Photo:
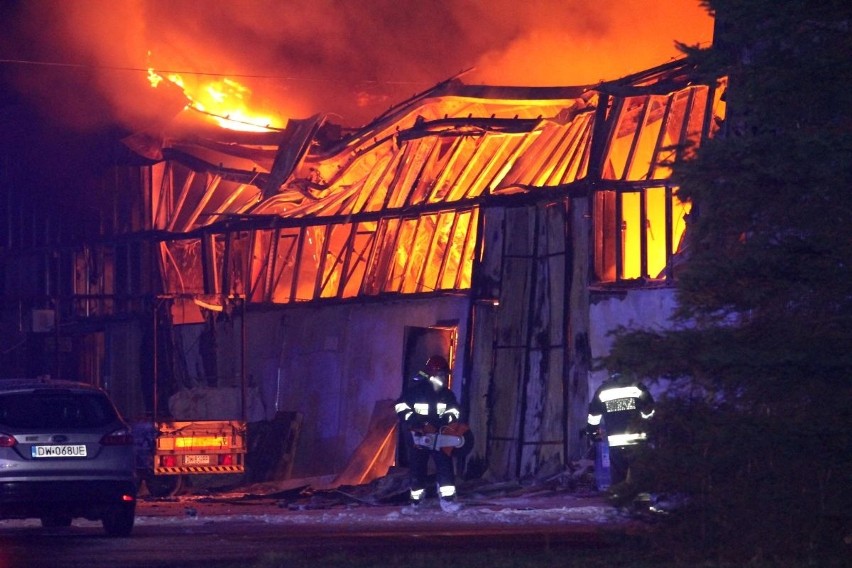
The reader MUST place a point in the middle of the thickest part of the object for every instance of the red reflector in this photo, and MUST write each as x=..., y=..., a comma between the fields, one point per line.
x=169, y=461
x=226, y=459
x=127, y=498
x=7, y=441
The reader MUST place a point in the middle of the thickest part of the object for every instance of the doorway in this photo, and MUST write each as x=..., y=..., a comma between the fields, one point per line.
x=420, y=343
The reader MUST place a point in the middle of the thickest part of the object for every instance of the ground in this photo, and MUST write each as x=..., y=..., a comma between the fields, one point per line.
x=254, y=526
x=382, y=504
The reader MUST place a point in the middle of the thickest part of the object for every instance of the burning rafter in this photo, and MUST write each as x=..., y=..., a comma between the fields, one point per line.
x=393, y=207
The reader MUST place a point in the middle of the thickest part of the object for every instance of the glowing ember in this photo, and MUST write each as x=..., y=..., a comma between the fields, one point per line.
x=224, y=100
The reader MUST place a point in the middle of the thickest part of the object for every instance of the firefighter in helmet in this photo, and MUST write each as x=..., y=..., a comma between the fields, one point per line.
x=427, y=406
x=620, y=407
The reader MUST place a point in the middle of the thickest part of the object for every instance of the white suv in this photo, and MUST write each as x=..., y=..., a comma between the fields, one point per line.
x=65, y=452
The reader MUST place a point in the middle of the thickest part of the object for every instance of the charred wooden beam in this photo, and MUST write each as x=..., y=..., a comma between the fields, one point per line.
x=291, y=152
x=474, y=126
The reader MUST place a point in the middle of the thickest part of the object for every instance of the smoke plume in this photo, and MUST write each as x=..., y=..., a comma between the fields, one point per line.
x=354, y=59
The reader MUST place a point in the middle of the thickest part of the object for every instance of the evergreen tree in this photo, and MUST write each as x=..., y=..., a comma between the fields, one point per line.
x=762, y=336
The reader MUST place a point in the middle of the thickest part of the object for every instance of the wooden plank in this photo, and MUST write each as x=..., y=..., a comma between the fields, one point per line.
x=519, y=227
x=523, y=405
x=488, y=270
x=513, y=315
x=478, y=385
x=375, y=454
x=579, y=348
x=503, y=396
x=543, y=444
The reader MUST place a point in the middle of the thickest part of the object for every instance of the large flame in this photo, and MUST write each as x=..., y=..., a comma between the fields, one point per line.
x=224, y=100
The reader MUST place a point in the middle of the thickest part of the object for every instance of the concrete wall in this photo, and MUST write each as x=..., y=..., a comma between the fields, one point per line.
x=333, y=363
x=641, y=308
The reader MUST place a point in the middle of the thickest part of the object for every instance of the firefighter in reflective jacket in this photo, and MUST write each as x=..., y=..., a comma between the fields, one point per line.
x=425, y=407
x=621, y=406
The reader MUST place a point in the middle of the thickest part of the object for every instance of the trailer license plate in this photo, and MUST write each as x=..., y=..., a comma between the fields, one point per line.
x=65, y=451
x=196, y=460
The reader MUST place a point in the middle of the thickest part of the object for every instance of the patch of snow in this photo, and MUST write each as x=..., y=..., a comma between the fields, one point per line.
x=382, y=516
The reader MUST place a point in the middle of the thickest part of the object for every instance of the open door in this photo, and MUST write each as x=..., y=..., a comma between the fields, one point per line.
x=419, y=344
x=423, y=342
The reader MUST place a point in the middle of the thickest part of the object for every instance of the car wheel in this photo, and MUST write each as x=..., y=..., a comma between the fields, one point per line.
x=118, y=519
x=56, y=521
x=163, y=485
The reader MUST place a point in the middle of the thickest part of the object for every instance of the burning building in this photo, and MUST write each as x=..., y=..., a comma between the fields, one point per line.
x=508, y=228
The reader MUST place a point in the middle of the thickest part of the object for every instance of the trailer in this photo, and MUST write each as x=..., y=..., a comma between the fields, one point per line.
x=171, y=448
x=200, y=447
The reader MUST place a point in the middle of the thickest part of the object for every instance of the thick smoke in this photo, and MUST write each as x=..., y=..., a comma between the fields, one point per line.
x=351, y=58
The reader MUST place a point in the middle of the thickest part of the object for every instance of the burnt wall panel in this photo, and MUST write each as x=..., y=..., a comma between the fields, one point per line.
x=488, y=279
x=542, y=450
x=578, y=348
x=333, y=363
x=513, y=315
x=478, y=389
x=523, y=406
x=504, y=395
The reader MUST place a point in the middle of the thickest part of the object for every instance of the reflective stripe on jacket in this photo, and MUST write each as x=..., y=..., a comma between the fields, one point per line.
x=436, y=408
x=623, y=409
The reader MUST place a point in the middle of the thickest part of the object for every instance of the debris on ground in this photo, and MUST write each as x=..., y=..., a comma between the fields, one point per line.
x=392, y=489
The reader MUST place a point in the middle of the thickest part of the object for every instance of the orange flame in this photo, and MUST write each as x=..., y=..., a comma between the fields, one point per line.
x=224, y=100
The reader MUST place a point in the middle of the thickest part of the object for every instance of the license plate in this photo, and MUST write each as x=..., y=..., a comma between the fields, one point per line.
x=196, y=460
x=64, y=451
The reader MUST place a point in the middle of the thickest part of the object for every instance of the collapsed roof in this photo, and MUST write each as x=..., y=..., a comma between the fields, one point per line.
x=427, y=163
